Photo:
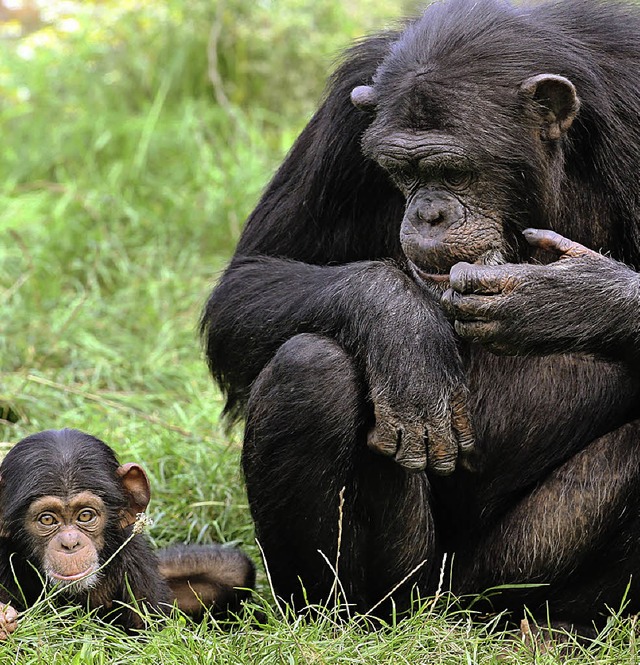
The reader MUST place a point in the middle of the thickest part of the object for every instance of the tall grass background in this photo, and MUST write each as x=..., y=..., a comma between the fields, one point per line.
x=135, y=137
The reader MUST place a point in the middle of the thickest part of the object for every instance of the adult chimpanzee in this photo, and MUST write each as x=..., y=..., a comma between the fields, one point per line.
x=384, y=272
x=67, y=509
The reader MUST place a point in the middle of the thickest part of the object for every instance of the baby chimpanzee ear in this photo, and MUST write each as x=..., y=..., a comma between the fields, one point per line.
x=556, y=101
x=137, y=490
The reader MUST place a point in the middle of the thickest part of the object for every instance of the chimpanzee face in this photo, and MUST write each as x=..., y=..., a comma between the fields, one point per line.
x=448, y=217
x=67, y=535
x=469, y=166
x=65, y=503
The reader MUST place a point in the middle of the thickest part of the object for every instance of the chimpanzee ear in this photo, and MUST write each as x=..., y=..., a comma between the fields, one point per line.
x=556, y=101
x=137, y=490
x=364, y=97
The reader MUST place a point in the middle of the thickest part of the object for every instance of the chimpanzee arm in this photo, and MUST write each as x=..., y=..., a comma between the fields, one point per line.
x=326, y=205
x=207, y=578
x=397, y=335
x=583, y=302
x=313, y=257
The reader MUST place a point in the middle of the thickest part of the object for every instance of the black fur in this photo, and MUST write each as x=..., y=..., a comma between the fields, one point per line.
x=316, y=322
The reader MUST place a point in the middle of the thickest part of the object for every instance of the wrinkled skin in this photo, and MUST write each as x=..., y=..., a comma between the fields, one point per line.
x=455, y=212
x=461, y=242
x=520, y=309
x=448, y=217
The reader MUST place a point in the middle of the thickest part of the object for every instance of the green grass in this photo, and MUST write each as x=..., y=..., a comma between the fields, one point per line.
x=122, y=192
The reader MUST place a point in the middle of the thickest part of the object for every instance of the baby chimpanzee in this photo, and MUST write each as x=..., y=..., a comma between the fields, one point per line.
x=66, y=507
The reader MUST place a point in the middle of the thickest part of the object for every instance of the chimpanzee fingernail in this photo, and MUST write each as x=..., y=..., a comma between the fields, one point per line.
x=458, y=276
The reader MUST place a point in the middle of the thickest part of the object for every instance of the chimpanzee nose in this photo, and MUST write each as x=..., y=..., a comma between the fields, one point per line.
x=427, y=210
x=432, y=216
x=69, y=540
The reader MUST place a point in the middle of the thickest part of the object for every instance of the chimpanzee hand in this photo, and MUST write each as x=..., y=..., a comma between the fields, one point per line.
x=435, y=434
x=8, y=620
x=416, y=383
x=584, y=301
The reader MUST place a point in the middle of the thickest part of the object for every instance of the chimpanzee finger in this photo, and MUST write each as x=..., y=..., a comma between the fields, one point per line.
x=8, y=621
x=553, y=242
x=461, y=422
x=10, y=614
x=412, y=453
x=384, y=438
x=442, y=450
x=469, y=307
x=471, y=278
x=476, y=331
x=386, y=433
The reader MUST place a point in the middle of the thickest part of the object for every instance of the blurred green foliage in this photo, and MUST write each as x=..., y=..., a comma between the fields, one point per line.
x=275, y=53
x=110, y=105
x=269, y=54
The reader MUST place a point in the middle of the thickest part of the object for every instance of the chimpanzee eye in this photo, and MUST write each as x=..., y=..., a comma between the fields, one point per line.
x=456, y=179
x=47, y=519
x=403, y=179
x=402, y=176
x=87, y=515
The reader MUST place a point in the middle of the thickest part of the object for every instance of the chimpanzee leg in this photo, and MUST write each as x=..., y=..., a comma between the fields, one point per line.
x=305, y=440
x=577, y=533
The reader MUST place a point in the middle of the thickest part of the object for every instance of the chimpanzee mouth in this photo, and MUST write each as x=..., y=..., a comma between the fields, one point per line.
x=84, y=580
x=440, y=280
x=428, y=276
x=436, y=283
x=71, y=578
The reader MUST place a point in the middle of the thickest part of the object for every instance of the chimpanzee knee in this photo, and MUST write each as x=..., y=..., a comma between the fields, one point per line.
x=313, y=484
x=310, y=387
x=304, y=415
